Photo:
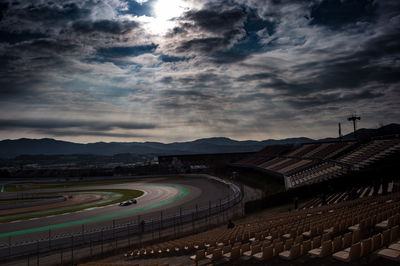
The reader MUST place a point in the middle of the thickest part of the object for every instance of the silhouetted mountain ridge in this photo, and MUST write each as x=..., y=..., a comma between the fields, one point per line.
x=48, y=146
x=365, y=133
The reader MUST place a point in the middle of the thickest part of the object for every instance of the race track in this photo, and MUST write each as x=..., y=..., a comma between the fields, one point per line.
x=161, y=197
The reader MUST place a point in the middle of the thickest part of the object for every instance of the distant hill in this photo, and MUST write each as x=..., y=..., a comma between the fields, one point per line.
x=46, y=146
x=365, y=133
x=13, y=148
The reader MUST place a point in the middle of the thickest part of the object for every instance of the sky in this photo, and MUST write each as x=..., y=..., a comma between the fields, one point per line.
x=176, y=70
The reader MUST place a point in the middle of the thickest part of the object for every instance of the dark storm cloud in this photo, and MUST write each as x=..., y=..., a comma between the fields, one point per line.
x=228, y=57
x=258, y=76
x=105, y=26
x=335, y=13
x=216, y=49
x=342, y=73
x=374, y=61
x=64, y=20
x=251, y=43
x=211, y=31
x=25, y=66
x=188, y=103
x=204, y=45
x=51, y=12
x=194, y=92
x=229, y=34
x=6, y=60
x=45, y=47
x=22, y=89
x=255, y=23
x=335, y=75
x=188, y=94
x=63, y=124
x=180, y=30
x=197, y=81
x=333, y=98
x=17, y=37
x=3, y=9
x=215, y=20
x=352, y=74
x=358, y=69
x=126, y=50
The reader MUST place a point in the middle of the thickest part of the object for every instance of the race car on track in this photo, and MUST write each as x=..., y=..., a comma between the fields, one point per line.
x=128, y=202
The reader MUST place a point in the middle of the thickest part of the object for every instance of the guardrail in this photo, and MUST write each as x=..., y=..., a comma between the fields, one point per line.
x=119, y=228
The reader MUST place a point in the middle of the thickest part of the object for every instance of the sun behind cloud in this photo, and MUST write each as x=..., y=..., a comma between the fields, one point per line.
x=164, y=14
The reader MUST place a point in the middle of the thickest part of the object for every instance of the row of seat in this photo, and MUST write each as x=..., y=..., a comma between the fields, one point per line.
x=370, y=152
x=332, y=220
x=392, y=252
x=298, y=249
x=365, y=191
x=265, y=154
x=347, y=247
x=315, y=162
x=316, y=173
x=357, y=158
x=315, y=151
x=332, y=149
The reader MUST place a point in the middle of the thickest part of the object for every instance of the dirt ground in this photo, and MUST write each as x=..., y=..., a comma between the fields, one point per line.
x=73, y=200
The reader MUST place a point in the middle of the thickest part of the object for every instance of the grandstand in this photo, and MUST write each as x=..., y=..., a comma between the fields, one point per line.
x=189, y=162
x=315, y=162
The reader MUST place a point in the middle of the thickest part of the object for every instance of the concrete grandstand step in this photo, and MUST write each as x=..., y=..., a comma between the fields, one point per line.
x=380, y=190
x=390, y=187
x=371, y=192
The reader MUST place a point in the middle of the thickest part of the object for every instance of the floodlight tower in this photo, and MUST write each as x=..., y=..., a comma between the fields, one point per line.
x=354, y=119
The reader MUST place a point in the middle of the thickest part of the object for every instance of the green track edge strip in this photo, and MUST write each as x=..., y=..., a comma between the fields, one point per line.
x=183, y=192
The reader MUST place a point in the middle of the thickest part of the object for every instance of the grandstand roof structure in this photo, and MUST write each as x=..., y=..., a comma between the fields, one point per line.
x=315, y=162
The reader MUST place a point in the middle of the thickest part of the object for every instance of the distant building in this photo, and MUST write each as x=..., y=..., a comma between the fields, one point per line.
x=200, y=162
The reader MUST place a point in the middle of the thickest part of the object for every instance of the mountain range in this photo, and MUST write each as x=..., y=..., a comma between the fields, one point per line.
x=47, y=146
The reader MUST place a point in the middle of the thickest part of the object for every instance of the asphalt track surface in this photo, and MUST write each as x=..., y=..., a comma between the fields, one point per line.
x=161, y=197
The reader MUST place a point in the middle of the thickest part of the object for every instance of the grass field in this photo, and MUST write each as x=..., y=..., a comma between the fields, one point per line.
x=125, y=194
